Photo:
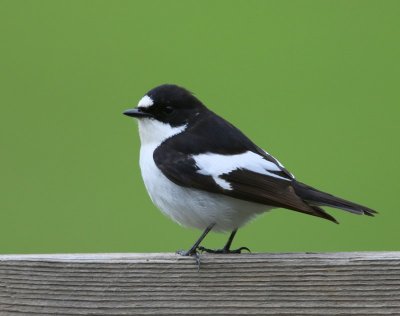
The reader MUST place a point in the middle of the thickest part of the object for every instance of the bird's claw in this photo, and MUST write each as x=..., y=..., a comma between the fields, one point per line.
x=191, y=253
x=223, y=250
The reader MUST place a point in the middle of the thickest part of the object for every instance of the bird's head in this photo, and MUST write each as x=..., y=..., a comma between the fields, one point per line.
x=164, y=110
x=169, y=104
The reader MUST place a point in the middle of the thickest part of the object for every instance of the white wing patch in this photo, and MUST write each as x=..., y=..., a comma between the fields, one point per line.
x=222, y=183
x=279, y=163
x=215, y=165
x=145, y=102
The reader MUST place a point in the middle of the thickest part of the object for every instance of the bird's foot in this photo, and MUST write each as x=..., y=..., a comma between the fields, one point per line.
x=223, y=250
x=191, y=253
x=186, y=253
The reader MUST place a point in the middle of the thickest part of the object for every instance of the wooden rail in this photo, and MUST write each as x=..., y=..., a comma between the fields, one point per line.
x=167, y=284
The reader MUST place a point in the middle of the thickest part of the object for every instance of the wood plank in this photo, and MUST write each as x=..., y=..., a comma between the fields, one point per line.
x=357, y=283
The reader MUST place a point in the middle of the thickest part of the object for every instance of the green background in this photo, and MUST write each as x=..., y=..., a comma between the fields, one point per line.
x=316, y=83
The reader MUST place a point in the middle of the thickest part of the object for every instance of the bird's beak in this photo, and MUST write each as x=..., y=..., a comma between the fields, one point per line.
x=136, y=112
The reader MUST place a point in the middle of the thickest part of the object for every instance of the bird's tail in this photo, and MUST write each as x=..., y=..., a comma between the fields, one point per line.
x=317, y=198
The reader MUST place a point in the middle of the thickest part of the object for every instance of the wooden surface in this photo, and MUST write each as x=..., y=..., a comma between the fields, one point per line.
x=255, y=284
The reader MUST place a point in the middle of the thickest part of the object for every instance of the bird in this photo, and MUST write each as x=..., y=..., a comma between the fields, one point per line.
x=204, y=173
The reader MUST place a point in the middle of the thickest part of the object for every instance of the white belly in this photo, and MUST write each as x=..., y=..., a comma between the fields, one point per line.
x=191, y=207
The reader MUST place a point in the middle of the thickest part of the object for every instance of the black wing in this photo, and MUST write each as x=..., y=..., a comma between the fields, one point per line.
x=176, y=158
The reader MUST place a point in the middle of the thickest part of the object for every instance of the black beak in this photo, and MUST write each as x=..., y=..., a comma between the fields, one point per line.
x=136, y=113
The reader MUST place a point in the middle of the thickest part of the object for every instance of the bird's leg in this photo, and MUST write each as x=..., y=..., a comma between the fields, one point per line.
x=193, y=251
x=227, y=247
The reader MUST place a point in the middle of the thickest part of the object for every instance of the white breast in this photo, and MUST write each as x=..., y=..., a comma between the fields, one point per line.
x=189, y=207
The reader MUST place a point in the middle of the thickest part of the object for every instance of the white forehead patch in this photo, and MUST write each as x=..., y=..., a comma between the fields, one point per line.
x=145, y=102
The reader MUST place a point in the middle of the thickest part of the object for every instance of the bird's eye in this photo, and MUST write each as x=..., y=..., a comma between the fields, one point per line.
x=168, y=109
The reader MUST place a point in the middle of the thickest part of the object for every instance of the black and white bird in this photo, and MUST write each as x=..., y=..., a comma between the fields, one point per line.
x=203, y=172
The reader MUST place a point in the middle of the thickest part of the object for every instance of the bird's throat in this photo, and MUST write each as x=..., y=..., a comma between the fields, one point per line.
x=152, y=131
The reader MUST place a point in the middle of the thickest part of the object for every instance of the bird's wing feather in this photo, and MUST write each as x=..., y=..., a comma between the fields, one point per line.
x=214, y=156
x=241, y=183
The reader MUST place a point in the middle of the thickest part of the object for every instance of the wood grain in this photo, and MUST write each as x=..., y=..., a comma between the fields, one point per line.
x=168, y=284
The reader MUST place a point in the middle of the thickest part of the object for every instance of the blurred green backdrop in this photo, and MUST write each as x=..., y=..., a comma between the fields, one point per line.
x=316, y=83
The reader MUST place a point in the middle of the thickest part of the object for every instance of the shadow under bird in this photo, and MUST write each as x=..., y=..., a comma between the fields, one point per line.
x=203, y=172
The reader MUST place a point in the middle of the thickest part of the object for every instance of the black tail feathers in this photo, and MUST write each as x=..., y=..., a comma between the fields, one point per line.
x=317, y=198
x=321, y=213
